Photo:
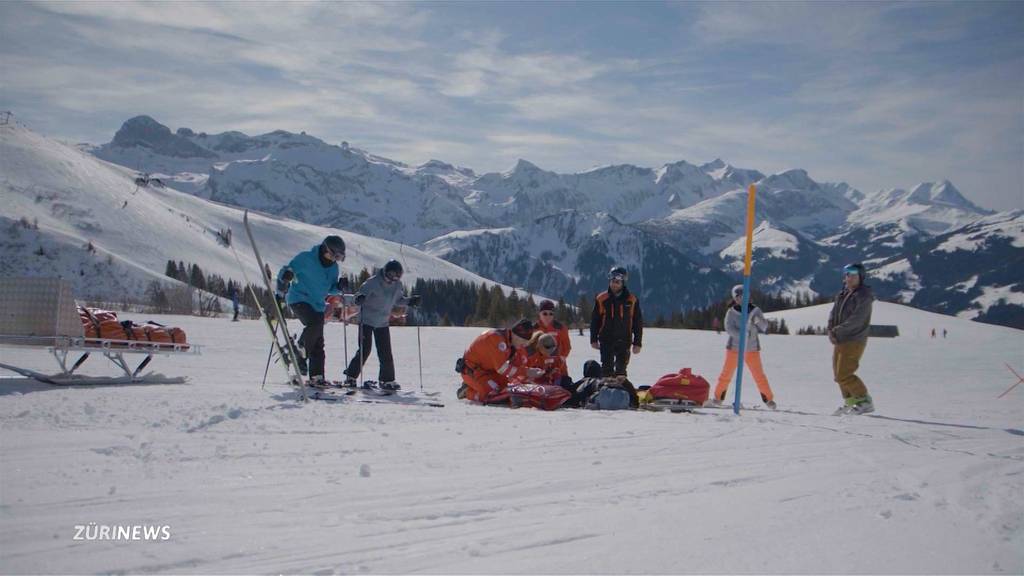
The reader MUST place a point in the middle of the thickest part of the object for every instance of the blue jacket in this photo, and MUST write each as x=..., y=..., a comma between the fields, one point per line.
x=313, y=281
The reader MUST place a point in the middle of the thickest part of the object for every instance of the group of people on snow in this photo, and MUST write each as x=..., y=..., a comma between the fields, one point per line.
x=536, y=351
x=306, y=283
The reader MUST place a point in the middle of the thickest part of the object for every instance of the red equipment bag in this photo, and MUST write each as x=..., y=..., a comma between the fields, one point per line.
x=543, y=396
x=683, y=385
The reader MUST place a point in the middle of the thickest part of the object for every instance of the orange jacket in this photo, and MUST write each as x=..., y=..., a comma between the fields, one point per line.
x=561, y=332
x=491, y=361
x=553, y=366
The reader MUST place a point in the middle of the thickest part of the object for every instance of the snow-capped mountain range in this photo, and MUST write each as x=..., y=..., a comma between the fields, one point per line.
x=70, y=214
x=676, y=227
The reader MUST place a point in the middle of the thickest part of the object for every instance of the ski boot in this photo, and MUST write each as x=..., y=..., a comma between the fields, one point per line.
x=318, y=381
x=862, y=405
x=771, y=405
x=390, y=386
x=349, y=382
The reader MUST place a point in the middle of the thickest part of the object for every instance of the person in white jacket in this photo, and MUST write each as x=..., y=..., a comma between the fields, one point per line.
x=756, y=322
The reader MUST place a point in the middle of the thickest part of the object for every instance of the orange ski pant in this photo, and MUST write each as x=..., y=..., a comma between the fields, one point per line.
x=752, y=360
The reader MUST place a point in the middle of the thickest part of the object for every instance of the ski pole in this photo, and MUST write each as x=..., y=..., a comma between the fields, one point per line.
x=359, y=380
x=419, y=352
x=1019, y=380
x=266, y=369
x=344, y=330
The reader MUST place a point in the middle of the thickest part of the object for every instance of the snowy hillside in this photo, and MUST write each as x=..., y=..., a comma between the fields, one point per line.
x=71, y=201
x=249, y=480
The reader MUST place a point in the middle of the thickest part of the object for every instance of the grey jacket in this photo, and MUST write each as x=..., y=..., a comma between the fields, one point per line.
x=381, y=297
x=755, y=322
x=850, y=317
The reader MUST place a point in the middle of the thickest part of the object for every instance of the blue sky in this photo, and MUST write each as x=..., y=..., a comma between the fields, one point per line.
x=879, y=95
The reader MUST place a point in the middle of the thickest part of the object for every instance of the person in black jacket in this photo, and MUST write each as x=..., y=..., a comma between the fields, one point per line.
x=616, y=325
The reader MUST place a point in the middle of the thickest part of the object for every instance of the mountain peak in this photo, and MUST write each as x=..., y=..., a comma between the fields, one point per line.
x=942, y=193
x=716, y=164
x=145, y=132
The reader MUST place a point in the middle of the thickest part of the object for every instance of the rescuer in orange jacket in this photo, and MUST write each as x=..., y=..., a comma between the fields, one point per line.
x=491, y=361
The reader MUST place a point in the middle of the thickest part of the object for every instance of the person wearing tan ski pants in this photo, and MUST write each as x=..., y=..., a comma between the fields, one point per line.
x=848, y=325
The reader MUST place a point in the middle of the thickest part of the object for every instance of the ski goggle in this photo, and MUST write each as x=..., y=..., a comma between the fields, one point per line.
x=393, y=276
x=851, y=271
x=617, y=277
x=338, y=256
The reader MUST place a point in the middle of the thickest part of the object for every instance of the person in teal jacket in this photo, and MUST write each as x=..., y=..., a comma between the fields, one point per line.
x=306, y=282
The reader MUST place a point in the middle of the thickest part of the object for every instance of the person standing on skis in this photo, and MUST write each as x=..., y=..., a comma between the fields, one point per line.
x=376, y=298
x=848, y=325
x=756, y=322
x=616, y=323
x=305, y=283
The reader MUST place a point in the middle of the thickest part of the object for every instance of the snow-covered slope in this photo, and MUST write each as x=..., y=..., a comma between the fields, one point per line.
x=70, y=200
x=251, y=481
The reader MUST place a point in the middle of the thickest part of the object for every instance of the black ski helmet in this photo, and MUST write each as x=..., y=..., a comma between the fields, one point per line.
x=335, y=245
x=619, y=272
x=857, y=268
x=393, y=267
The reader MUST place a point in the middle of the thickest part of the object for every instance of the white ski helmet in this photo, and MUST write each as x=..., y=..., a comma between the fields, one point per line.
x=737, y=290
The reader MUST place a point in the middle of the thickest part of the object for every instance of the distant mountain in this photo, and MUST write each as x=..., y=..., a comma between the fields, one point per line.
x=67, y=213
x=558, y=233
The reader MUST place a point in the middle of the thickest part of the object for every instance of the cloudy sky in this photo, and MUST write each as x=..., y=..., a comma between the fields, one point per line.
x=879, y=95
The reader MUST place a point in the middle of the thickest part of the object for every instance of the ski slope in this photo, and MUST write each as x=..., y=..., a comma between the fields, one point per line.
x=78, y=200
x=252, y=481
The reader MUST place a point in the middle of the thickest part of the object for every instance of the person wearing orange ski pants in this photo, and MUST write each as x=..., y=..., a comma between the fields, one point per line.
x=756, y=322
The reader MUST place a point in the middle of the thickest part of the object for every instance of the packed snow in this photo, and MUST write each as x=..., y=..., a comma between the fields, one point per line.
x=252, y=480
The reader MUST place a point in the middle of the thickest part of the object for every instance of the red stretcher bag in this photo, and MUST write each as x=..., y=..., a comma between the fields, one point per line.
x=543, y=396
x=683, y=385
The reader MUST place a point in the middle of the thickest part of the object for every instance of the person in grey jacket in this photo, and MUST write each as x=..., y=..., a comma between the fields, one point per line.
x=756, y=322
x=376, y=298
x=848, y=325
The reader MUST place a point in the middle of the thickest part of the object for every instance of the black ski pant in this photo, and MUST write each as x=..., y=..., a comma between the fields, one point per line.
x=312, y=337
x=387, y=363
x=614, y=357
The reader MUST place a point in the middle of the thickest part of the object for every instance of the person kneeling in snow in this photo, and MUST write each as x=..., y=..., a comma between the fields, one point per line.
x=543, y=361
x=491, y=360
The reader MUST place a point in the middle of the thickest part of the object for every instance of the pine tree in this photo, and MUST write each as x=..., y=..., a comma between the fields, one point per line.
x=172, y=270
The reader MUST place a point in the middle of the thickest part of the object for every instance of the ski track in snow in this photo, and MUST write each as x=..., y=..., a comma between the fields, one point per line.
x=250, y=480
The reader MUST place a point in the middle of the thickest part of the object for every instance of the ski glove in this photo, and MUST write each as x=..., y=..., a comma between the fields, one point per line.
x=414, y=300
x=359, y=299
x=284, y=282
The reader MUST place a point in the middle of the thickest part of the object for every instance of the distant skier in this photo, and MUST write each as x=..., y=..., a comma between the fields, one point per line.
x=546, y=323
x=848, y=326
x=756, y=322
x=616, y=323
x=305, y=283
x=376, y=298
x=234, y=302
x=943, y=332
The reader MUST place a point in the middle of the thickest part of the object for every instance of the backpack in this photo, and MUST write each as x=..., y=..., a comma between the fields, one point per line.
x=608, y=398
x=683, y=385
x=543, y=396
x=591, y=369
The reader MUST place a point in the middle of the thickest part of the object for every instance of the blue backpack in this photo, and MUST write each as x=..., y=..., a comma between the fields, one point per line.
x=609, y=398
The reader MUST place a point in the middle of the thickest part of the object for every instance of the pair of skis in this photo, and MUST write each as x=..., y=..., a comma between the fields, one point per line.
x=273, y=319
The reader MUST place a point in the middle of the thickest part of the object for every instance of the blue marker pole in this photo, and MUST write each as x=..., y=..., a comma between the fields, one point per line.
x=752, y=193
